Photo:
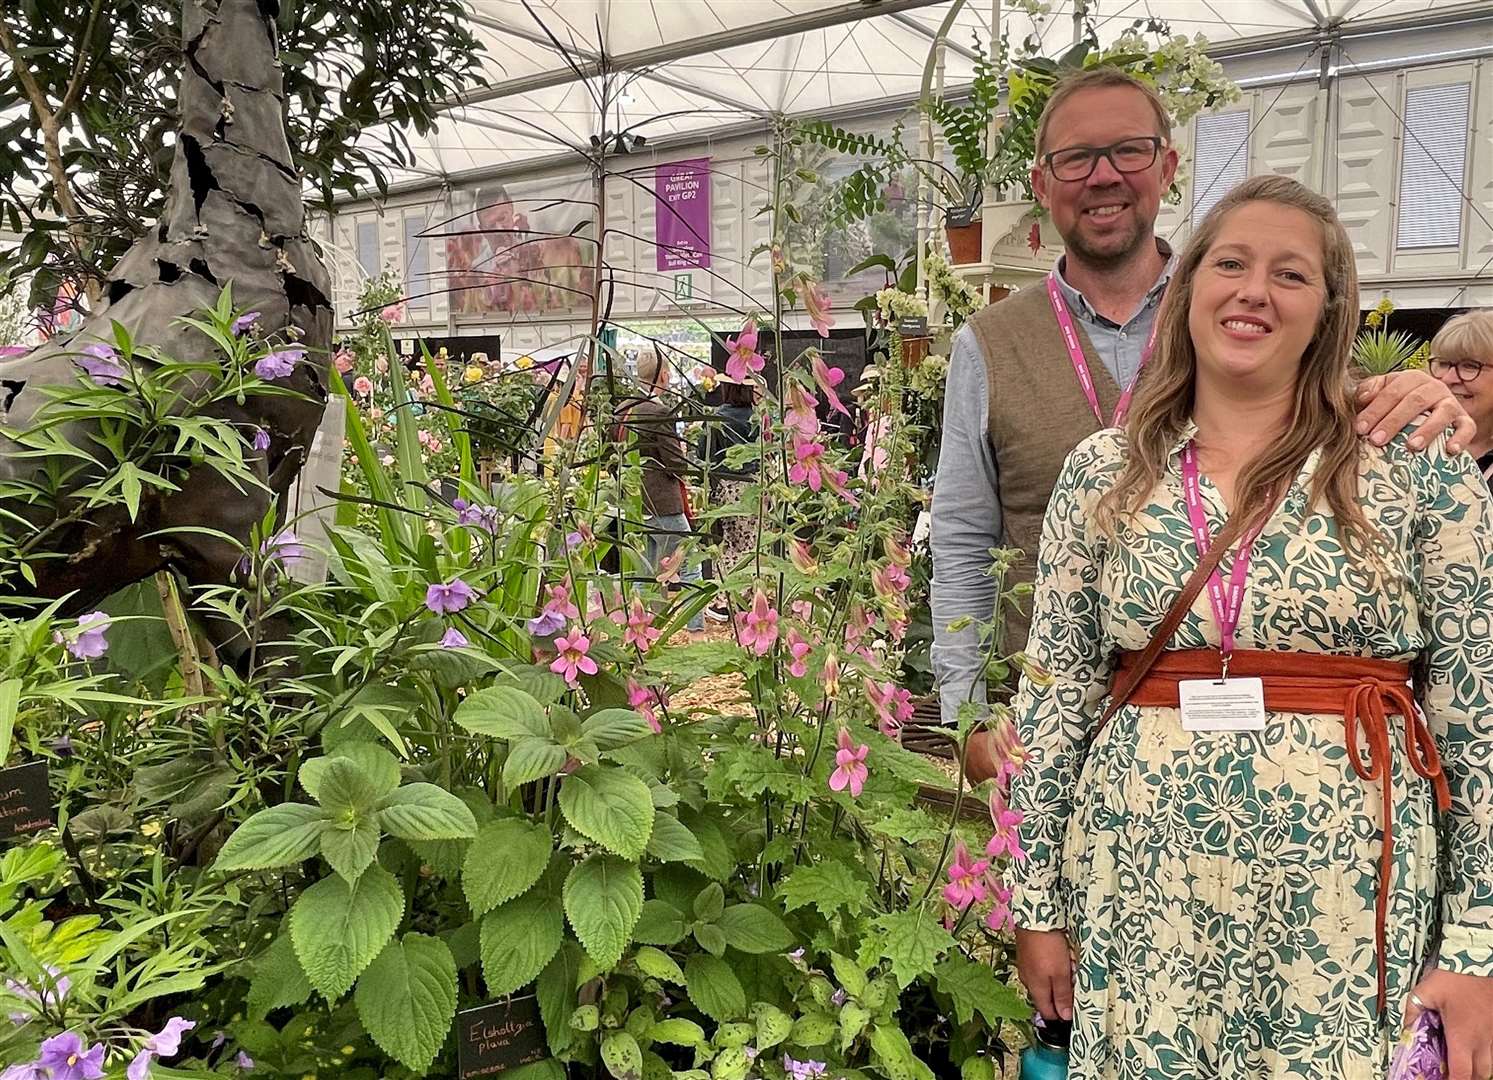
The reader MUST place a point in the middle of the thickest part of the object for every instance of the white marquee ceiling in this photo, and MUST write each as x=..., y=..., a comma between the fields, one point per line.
x=702, y=65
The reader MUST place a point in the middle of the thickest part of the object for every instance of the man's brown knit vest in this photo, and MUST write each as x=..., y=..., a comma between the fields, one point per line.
x=1038, y=414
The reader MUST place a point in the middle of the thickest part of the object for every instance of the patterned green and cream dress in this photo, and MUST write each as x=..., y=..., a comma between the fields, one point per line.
x=1220, y=887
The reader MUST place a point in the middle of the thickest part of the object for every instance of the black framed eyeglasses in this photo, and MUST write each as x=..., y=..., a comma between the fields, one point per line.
x=1467, y=370
x=1126, y=156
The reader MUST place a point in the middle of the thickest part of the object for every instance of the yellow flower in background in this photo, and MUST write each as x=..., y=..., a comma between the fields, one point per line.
x=524, y=363
x=472, y=374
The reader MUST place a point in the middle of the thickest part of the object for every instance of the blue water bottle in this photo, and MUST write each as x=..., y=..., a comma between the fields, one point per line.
x=1047, y=1057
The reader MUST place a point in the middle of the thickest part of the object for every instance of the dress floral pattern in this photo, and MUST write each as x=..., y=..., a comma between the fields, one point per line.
x=1219, y=887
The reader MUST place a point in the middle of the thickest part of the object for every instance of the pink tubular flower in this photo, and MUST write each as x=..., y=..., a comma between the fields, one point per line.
x=827, y=379
x=758, y=628
x=831, y=675
x=802, y=557
x=858, y=624
x=799, y=650
x=560, y=602
x=966, y=879
x=893, y=706
x=363, y=386
x=816, y=302
x=801, y=418
x=744, y=356
x=806, y=467
x=999, y=918
x=896, y=551
x=643, y=699
x=668, y=567
x=802, y=609
x=890, y=581
x=850, y=766
x=572, y=661
x=640, y=629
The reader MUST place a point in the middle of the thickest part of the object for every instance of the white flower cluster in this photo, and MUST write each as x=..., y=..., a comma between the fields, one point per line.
x=927, y=379
x=1186, y=76
x=959, y=298
x=894, y=304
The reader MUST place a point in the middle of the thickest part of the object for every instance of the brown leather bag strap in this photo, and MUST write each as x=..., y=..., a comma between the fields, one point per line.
x=1173, y=617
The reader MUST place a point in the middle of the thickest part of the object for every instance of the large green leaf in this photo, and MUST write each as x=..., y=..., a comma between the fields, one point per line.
x=671, y=841
x=377, y=765
x=406, y=999
x=278, y=980
x=505, y=860
x=603, y=899
x=532, y=759
x=609, y=806
x=426, y=812
x=279, y=836
x=659, y=965
x=556, y=990
x=622, y=1056
x=714, y=988
x=913, y=940
x=342, y=787
x=338, y=929
x=894, y=1054
x=660, y=924
x=974, y=988
x=503, y=712
x=519, y=939
x=613, y=728
x=750, y=928
x=350, y=846
x=828, y=885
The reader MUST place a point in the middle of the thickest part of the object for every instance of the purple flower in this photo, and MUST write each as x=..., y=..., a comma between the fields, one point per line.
x=27, y=1070
x=87, y=642
x=449, y=598
x=101, y=363
x=244, y=323
x=63, y=1055
x=838, y=997
x=277, y=365
x=482, y=517
x=283, y=547
x=261, y=439
x=164, y=1043
x=52, y=991
x=547, y=622
x=244, y=1061
x=573, y=541
x=803, y=1070
x=219, y=1038
x=454, y=639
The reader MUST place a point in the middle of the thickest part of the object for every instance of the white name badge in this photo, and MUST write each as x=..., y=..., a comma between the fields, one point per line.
x=1231, y=705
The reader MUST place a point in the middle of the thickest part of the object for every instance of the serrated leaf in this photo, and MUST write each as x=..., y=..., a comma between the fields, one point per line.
x=714, y=988
x=622, y=1056
x=406, y=999
x=732, y=1063
x=350, y=848
x=613, y=728
x=813, y=1029
x=829, y=886
x=853, y=1020
x=678, y=1031
x=503, y=712
x=518, y=939
x=913, y=940
x=711, y=938
x=555, y=988
x=505, y=861
x=279, y=836
x=773, y=1025
x=750, y=928
x=609, y=806
x=894, y=1054
x=380, y=767
x=343, y=789
x=603, y=900
x=278, y=981
x=532, y=759
x=426, y=812
x=975, y=988
x=658, y=964
x=671, y=841
x=339, y=928
x=659, y=924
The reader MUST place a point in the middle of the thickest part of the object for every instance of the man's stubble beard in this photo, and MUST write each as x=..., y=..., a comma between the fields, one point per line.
x=1111, y=259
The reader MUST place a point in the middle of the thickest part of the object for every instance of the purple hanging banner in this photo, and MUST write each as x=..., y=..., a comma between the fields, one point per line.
x=682, y=214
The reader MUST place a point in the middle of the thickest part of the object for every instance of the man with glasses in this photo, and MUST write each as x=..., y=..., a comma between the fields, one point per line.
x=1461, y=354
x=1034, y=375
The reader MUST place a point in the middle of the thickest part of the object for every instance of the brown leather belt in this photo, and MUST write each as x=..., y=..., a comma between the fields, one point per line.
x=1363, y=692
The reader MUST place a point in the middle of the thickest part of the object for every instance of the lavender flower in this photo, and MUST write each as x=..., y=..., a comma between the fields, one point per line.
x=65, y=1058
x=450, y=597
x=244, y=323
x=803, y=1070
x=482, y=517
x=164, y=1043
x=51, y=993
x=244, y=1061
x=283, y=547
x=27, y=1070
x=547, y=622
x=454, y=639
x=838, y=997
x=261, y=440
x=277, y=365
x=101, y=363
x=87, y=642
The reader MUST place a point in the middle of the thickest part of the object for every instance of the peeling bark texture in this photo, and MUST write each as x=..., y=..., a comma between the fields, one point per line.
x=234, y=214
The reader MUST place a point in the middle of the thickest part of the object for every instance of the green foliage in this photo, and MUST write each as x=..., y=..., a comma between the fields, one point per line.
x=407, y=999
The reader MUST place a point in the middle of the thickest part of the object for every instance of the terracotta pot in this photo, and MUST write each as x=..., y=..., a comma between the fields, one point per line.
x=964, y=243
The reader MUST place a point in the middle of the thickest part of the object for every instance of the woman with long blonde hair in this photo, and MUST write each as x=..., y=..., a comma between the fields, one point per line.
x=1271, y=680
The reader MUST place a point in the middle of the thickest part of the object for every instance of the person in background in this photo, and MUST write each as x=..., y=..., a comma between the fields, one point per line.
x=1033, y=375
x=652, y=419
x=733, y=423
x=1258, y=810
x=1461, y=354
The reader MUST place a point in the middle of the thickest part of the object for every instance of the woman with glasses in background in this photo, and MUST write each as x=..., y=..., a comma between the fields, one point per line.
x=1461, y=353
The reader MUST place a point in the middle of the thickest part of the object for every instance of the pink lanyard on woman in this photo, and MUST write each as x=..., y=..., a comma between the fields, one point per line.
x=1226, y=607
x=1081, y=365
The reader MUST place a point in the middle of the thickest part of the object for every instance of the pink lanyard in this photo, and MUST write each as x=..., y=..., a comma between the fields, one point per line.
x=1226, y=607
x=1081, y=366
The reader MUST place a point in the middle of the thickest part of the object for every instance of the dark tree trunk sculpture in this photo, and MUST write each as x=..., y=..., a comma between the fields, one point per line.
x=234, y=215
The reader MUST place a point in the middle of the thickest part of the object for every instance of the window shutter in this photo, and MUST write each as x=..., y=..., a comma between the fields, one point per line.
x=367, y=242
x=1433, y=161
x=1220, y=158
x=416, y=264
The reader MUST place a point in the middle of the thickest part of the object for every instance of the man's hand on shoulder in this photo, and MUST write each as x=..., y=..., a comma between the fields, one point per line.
x=1402, y=400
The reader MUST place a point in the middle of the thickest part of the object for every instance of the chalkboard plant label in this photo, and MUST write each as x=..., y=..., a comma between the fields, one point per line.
x=25, y=801
x=495, y=1038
